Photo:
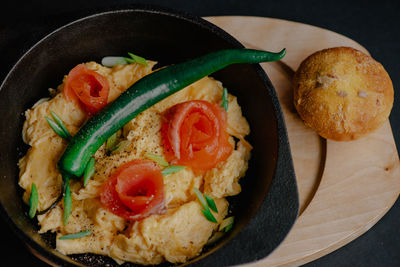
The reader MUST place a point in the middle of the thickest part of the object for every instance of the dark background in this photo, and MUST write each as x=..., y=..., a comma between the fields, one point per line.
x=375, y=25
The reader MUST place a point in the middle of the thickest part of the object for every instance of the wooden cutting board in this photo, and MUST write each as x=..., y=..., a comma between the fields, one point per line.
x=344, y=187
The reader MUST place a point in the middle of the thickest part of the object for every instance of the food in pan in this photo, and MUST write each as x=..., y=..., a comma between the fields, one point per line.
x=136, y=164
x=342, y=93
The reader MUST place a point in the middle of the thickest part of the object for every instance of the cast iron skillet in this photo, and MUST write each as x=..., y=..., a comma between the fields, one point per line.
x=268, y=205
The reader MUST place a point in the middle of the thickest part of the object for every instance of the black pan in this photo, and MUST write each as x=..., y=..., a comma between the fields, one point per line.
x=268, y=205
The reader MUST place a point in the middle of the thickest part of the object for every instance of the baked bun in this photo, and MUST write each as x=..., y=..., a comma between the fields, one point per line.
x=342, y=93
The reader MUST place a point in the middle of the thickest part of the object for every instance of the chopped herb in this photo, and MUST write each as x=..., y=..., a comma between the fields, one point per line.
x=58, y=126
x=206, y=210
x=114, y=149
x=121, y=146
x=60, y=123
x=89, y=171
x=224, y=103
x=136, y=59
x=227, y=224
x=211, y=203
x=33, y=201
x=172, y=169
x=169, y=169
x=67, y=202
x=113, y=61
x=158, y=159
x=76, y=235
x=224, y=227
x=209, y=216
x=215, y=237
x=201, y=198
x=111, y=142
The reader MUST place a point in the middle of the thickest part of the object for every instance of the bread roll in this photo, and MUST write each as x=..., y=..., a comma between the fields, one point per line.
x=342, y=93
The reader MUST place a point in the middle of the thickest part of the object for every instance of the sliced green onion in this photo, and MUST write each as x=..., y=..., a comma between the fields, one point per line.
x=209, y=216
x=215, y=237
x=211, y=203
x=201, y=198
x=113, y=61
x=226, y=224
x=206, y=210
x=158, y=159
x=121, y=146
x=89, y=171
x=33, y=201
x=111, y=142
x=76, y=235
x=114, y=149
x=67, y=202
x=56, y=128
x=224, y=103
x=136, y=59
x=172, y=169
x=60, y=123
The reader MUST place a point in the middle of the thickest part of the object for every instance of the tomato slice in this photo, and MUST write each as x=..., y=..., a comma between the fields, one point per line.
x=194, y=134
x=88, y=88
x=135, y=190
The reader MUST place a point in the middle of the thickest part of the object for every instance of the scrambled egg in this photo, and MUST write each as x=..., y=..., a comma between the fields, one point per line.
x=175, y=236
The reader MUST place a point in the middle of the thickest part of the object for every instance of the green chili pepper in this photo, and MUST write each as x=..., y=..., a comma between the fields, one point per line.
x=145, y=93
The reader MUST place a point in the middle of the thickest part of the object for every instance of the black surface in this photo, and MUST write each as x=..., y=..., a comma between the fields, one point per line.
x=264, y=220
x=374, y=24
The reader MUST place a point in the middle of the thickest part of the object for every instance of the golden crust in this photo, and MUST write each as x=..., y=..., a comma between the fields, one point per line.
x=342, y=93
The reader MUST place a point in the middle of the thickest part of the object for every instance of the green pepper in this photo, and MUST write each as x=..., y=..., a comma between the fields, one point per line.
x=145, y=93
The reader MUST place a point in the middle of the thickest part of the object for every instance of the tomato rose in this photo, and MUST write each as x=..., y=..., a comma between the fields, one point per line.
x=87, y=87
x=194, y=134
x=135, y=190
